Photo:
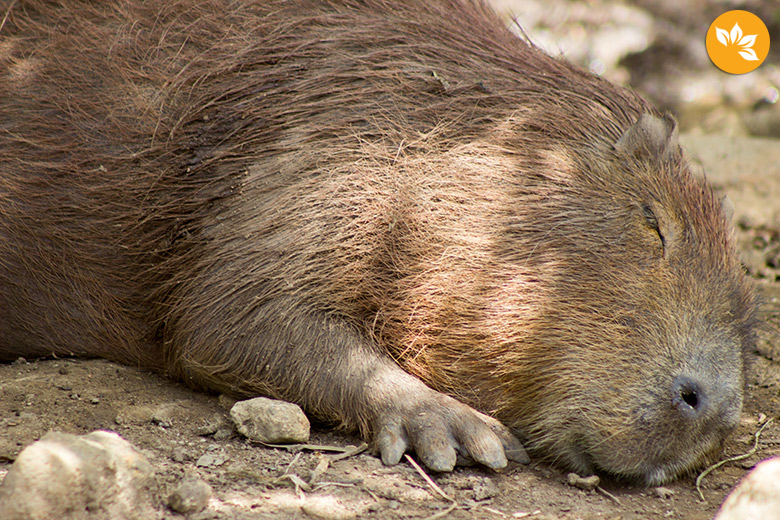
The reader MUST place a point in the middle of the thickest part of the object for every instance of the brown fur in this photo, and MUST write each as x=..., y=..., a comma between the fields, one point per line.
x=271, y=197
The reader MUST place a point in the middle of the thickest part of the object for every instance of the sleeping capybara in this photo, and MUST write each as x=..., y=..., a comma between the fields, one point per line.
x=392, y=213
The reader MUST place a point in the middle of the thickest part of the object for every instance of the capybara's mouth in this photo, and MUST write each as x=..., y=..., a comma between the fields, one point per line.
x=634, y=460
x=646, y=472
x=656, y=475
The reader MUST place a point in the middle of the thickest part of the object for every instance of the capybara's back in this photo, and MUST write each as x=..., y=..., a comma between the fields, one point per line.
x=392, y=213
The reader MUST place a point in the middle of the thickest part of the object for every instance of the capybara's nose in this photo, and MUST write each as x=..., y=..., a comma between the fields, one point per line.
x=718, y=404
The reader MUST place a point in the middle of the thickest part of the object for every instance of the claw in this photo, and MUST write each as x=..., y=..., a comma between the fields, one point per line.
x=446, y=434
x=392, y=444
x=514, y=451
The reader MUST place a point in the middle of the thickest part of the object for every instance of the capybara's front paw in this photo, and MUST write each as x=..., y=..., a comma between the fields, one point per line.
x=444, y=432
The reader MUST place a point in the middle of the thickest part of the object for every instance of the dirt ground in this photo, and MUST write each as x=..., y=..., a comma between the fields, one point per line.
x=188, y=433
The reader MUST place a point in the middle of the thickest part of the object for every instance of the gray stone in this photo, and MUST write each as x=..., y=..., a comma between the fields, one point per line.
x=485, y=488
x=191, y=496
x=211, y=460
x=757, y=496
x=587, y=483
x=90, y=477
x=270, y=421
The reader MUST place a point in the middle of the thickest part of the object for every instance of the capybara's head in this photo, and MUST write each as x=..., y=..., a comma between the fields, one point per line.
x=632, y=362
x=610, y=330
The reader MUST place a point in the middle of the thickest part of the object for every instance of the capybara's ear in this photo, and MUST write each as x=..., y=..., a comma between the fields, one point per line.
x=651, y=137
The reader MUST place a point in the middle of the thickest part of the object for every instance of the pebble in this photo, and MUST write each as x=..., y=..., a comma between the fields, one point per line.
x=485, y=488
x=191, y=496
x=8, y=449
x=663, y=492
x=209, y=427
x=270, y=421
x=163, y=415
x=90, y=477
x=181, y=454
x=586, y=483
x=210, y=460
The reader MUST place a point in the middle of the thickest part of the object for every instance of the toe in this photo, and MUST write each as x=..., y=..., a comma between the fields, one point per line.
x=514, y=450
x=392, y=444
x=436, y=449
x=485, y=448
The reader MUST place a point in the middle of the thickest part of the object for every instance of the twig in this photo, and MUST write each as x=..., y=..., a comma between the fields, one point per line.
x=608, y=494
x=298, y=482
x=373, y=495
x=322, y=467
x=321, y=485
x=292, y=462
x=351, y=450
x=435, y=487
x=430, y=482
x=715, y=466
x=442, y=514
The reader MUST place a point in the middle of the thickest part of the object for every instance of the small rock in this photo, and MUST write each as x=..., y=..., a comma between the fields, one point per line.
x=180, y=454
x=485, y=488
x=9, y=450
x=663, y=492
x=137, y=415
x=209, y=427
x=587, y=483
x=757, y=496
x=91, y=477
x=163, y=415
x=210, y=460
x=192, y=496
x=327, y=507
x=270, y=421
x=224, y=434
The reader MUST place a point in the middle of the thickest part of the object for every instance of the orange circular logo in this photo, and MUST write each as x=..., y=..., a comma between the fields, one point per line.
x=737, y=42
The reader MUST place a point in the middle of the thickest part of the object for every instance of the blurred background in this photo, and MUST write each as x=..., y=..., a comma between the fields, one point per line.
x=657, y=48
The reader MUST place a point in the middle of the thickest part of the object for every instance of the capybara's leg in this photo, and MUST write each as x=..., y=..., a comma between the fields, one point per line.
x=335, y=373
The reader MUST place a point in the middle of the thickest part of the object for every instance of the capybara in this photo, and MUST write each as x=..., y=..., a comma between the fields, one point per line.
x=399, y=215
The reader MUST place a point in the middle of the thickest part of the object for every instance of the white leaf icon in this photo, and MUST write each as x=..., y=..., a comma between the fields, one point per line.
x=748, y=54
x=723, y=36
x=736, y=33
x=735, y=37
x=748, y=40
